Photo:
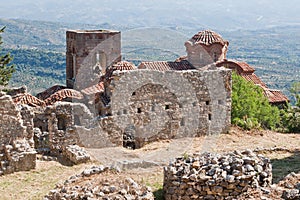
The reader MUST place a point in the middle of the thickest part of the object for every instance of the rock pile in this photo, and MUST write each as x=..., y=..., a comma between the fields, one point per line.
x=209, y=176
x=291, y=183
x=100, y=182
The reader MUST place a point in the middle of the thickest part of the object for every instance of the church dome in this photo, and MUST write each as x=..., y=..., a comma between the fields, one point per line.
x=208, y=37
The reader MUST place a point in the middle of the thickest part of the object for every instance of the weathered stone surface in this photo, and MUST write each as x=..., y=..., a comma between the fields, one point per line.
x=216, y=176
x=16, y=137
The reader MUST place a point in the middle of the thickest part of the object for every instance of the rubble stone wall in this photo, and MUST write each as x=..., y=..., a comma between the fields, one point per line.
x=208, y=176
x=16, y=142
x=151, y=105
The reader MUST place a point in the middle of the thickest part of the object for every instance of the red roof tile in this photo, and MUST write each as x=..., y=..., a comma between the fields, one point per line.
x=122, y=65
x=238, y=66
x=275, y=96
x=63, y=94
x=94, y=89
x=28, y=99
x=254, y=79
x=47, y=93
x=208, y=37
x=166, y=66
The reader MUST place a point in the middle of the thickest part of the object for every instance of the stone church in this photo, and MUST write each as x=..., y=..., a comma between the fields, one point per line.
x=108, y=102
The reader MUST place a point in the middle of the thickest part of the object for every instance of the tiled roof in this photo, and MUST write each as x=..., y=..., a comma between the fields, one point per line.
x=254, y=79
x=240, y=67
x=208, y=37
x=122, y=65
x=47, y=93
x=63, y=94
x=28, y=99
x=275, y=96
x=166, y=66
x=94, y=89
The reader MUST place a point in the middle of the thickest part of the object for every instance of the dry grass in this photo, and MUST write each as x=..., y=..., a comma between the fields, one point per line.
x=36, y=183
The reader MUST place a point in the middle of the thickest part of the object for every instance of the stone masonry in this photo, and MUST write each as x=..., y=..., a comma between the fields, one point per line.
x=16, y=137
x=210, y=176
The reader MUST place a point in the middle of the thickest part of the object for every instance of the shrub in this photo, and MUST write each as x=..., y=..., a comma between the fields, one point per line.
x=250, y=108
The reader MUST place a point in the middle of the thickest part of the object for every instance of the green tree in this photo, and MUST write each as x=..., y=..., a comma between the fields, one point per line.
x=250, y=108
x=6, y=70
x=295, y=90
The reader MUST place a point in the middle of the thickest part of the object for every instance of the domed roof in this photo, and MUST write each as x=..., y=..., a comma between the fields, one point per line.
x=208, y=37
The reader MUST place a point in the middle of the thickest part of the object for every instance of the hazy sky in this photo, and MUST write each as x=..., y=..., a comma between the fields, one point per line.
x=222, y=14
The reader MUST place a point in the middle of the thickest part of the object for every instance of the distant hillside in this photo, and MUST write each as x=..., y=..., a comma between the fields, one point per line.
x=217, y=14
x=274, y=52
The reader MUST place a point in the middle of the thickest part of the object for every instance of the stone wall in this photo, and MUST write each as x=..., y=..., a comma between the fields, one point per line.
x=16, y=137
x=151, y=105
x=57, y=124
x=210, y=176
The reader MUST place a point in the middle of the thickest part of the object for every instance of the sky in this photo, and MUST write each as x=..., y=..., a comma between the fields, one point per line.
x=219, y=14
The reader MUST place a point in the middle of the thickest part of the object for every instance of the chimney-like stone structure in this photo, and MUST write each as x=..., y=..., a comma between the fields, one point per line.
x=206, y=47
x=89, y=53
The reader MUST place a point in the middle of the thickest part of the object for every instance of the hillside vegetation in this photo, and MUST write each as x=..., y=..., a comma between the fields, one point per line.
x=274, y=52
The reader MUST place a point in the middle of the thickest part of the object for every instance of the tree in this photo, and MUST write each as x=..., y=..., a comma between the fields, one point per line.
x=250, y=108
x=295, y=90
x=6, y=70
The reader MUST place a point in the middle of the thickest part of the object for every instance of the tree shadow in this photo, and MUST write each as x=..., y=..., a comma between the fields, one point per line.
x=159, y=194
x=282, y=167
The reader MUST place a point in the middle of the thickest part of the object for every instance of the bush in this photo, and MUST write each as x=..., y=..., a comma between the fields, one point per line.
x=250, y=108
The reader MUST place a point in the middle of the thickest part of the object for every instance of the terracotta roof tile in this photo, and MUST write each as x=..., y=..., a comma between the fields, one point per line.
x=240, y=67
x=28, y=99
x=63, y=94
x=208, y=37
x=166, y=66
x=254, y=79
x=47, y=93
x=94, y=89
x=122, y=65
x=275, y=96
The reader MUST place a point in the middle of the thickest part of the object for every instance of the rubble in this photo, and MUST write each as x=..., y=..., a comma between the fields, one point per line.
x=100, y=182
x=208, y=176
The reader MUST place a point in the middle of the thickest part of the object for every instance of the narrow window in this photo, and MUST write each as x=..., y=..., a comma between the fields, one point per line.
x=124, y=111
x=209, y=117
x=139, y=110
x=167, y=107
x=61, y=123
x=207, y=102
x=153, y=108
x=182, y=122
x=194, y=104
x=133, y=94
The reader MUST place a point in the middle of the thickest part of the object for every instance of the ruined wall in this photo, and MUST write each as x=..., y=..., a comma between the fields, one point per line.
x=59, y=122
x=209, y=176
x=16, y=152
x=150, y=105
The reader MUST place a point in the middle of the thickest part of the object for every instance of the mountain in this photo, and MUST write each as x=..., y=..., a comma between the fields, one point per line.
x=39, y=48
x=217, y=14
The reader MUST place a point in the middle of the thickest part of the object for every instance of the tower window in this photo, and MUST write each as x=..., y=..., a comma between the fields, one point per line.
x=167, y=107
x=209, y=117
x=215, y=57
